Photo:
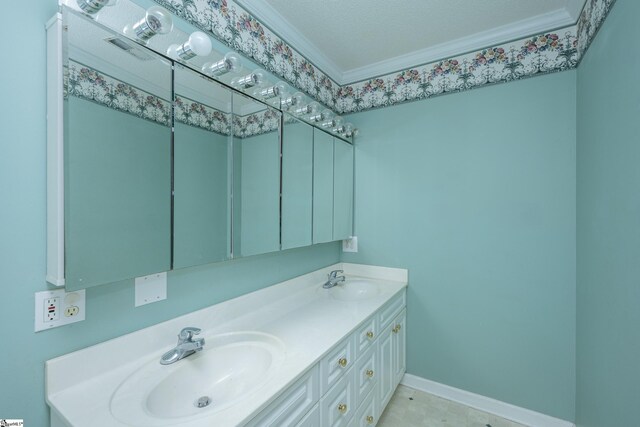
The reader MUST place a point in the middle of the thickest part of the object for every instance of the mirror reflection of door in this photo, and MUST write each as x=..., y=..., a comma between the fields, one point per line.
x=117, y=148
x=202, y=172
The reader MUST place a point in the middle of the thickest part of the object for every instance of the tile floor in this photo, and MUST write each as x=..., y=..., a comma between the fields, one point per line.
x=413, y=408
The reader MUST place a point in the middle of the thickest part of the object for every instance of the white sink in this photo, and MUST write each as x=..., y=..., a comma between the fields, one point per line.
x=354, y=290
x=230, y=367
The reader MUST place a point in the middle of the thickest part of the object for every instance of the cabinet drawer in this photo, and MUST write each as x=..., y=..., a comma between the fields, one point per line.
x=339, y=404
x=291, y=407
x=367, y=412
x=312, y=419
x=336, y=363
x=391, y=310
x=367, y=370
x=366, y=335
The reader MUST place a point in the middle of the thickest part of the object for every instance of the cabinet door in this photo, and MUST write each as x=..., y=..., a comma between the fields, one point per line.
x=386, y=378
x=322, y=187
x=342, y=190
x=312, y=419
x=399, y=338
x=297, y=183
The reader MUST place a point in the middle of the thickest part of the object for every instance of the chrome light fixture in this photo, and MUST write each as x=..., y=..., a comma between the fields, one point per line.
x=230, y=62
x=256, y=78
x=199, y=44
x=157, y=20
x=291, y=101
x=322, y=116
x=350, y=130
x=94, y=6
x=279, y=89
x=310, y=109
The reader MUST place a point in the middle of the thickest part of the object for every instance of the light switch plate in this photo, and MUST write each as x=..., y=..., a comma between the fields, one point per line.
x=350, y=244
x=58, y=308
x=152, y=288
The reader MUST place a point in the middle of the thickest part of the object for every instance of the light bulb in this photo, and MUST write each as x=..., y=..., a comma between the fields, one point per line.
x=310, y=109
x=94, y=6
x=230, y=62
x=278, y=89
x=323, y=117
x=256, y=78
x=291, y=101
x=199, y=44
x=348, y=130
x=156, y=21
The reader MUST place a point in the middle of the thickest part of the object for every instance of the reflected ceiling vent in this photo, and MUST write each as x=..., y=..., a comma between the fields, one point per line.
x=129, y=47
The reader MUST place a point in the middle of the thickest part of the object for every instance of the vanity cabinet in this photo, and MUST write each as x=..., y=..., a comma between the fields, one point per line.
x=352, y=384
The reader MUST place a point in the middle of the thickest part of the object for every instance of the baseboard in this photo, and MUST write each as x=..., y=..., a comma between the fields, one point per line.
x=486, y=404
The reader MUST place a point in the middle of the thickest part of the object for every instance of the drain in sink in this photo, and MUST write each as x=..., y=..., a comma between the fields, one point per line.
x=203, y=402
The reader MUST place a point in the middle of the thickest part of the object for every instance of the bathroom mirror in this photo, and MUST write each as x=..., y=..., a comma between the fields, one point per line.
x=342, y=189
x=322, y=187
x=256, y=177
x=117, y=157
x=297, y=183
x=202, y=173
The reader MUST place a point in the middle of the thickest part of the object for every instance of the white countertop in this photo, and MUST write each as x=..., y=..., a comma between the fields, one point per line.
x=299, y=312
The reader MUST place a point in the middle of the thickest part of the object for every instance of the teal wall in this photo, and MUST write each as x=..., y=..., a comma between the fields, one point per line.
x=474, y=193
x=608, y=288
x=110, y=310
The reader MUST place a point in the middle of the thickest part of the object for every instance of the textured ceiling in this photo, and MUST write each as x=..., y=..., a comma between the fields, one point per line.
x=343, y=36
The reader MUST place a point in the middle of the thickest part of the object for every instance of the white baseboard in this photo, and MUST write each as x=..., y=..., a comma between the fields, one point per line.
x=486, y=404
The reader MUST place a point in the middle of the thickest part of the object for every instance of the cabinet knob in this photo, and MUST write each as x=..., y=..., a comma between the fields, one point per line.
x=369, y=419
x=369, y=373
x=343, y=362
x=397, y=328
x=370, y=335
x=342, y=408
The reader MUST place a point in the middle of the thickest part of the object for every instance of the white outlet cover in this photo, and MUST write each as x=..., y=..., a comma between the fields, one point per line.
x=152, y=288
x=350, y=244
x=75, y=301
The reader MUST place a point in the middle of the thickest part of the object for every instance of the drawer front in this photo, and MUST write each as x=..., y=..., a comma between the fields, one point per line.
x=292, y=406
x=312, y=419
x=339, y=404
x=367, y=370
x=391, y=310
x=367, y=413
x=366, y=335
x=334, y=365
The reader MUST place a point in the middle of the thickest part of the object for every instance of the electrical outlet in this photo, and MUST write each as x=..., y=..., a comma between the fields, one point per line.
x=350, y=244
x=57, y=308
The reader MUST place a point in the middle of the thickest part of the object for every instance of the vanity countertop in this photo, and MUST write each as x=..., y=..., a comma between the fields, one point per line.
x=299, y=312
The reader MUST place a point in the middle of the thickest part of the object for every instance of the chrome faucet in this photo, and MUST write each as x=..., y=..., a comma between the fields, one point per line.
x=186, y=346
x=334, y=279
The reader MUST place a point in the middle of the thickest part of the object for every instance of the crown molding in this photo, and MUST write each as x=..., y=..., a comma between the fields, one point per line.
x=499, y=35
x=271, y=18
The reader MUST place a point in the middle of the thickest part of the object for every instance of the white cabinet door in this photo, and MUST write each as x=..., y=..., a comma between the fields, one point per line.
x=339, y=404
x=367, y=370
x=386, y=378
x=399, y=340
x=312, y=419
x=367, y=414
x=335, y=364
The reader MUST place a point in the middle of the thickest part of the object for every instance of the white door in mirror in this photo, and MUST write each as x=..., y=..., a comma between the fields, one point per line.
x=350, y=244
x=58, y=308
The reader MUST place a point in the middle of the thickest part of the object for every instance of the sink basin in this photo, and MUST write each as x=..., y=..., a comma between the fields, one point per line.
x=230, y=367
x=355, y=290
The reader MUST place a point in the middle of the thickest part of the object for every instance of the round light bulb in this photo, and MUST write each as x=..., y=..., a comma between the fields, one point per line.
x=94, y=6
x=258, y=78
x=157, y=20
x=338, y=121
x=200, y=43
x=313, y=108
x=348, y=130
x=292, y=101
x=232, y=61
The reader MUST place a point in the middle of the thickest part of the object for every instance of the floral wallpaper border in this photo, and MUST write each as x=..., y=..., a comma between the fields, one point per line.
x=540, y=54
x=87, y=83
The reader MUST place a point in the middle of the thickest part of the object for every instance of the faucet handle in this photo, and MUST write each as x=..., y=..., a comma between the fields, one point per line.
x=335, y=273
x=187, y=333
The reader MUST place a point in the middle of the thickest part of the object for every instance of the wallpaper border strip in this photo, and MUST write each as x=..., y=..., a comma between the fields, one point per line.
x=539, y=54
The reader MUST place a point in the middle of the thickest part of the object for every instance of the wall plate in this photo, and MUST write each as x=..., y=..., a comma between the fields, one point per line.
x=152, y=288
x=350, y=244
x=58, y=308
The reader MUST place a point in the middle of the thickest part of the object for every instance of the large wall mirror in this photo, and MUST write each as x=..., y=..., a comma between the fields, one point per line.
x=256, y=177
x=202, y=170
x=117, y=158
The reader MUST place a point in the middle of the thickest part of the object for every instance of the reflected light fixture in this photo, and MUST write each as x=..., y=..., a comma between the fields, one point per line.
x=291, y=101
x=350, y=130
x=199, y=44
x=230, y=62
x=256, y=78
x=94, y=6
x=311, y=109
x=279, y=89
x=157, y=20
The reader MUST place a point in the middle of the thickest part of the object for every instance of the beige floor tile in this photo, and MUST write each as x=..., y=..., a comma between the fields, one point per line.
x=413, y=408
